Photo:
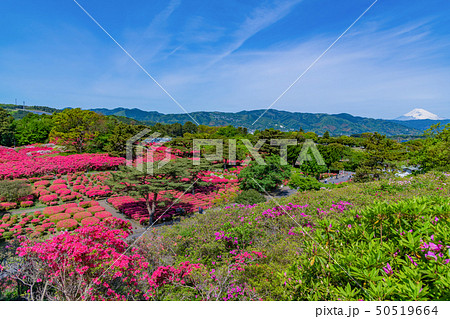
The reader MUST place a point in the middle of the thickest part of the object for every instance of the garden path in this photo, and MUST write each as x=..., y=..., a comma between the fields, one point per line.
x=115, y=213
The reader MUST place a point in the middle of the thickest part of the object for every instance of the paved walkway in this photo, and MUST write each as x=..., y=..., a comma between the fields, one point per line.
x=115, y=213
x=282, y=192
x=340, y=178
x=20, y=211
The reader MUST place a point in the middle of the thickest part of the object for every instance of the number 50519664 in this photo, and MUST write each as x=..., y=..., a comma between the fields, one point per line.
x=406, y=310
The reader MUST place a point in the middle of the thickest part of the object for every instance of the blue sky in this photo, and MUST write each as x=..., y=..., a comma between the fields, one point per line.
x=228, y=55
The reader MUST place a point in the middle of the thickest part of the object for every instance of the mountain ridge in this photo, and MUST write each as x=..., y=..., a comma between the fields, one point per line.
x=336, y=124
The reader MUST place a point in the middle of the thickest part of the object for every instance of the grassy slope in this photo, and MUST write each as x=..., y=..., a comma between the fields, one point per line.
x=194, y=238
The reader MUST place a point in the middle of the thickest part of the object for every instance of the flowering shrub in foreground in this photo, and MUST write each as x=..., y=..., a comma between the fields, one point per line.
x=93, y=263
x=394, y=251
x=74, y=263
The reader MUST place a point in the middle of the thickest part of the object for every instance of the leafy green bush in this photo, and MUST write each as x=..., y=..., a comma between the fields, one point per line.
x=250, y=197
x=264, y=177
x=304, y=183
x=12, y=190
x=387, y=251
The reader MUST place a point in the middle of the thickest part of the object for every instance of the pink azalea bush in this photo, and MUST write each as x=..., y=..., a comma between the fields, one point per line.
x=103, y=214
x=94, y=263
x=90, y=221
x=95, y=209
x=13, y=165
x=82, y=215
x=67, y=224
x=57, y=217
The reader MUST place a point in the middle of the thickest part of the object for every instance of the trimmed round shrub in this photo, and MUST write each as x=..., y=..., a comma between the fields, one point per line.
x=68, y=198
x=250, y=197
x=49, y=211
x=58, y=217
x=42, y=192
x=42, y=183
x=59, y=181
x=89, y=203
x=95, y=209
x=7, y=206
x=48, y=198
x=85, y=204
x=44, y=226
x=74, y=210
x=56, y=187
x=103, y=214
x=27, y=203
x=82, y=215
x=69, y=205
x=90, y=221
x=63, y=191
x=67, y=224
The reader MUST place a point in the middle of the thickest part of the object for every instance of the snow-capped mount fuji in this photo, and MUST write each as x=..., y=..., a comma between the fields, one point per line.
x=418, y=114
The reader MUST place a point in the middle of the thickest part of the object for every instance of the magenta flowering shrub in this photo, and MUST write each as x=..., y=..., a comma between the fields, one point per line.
x=57, y=217
x=165, y=275
x=82, y=215
x=94, y=263
x=63, y=191
x=92, y=185
x=13, y=165
x=95, y=209
x=7, y=206
x=90, y=221
x=88, y=204
x=67, y=224
x=98, y=191
x=48, y=211
x=47, y=199
x=117, y=223
x=103, y=214
x=74, y=210
x=42, y=183
x=27, y=203
x=78, y=260
x=55, y=187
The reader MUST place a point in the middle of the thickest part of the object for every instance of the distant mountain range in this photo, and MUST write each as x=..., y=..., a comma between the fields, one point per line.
x=336, y=124
x=411, y=123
